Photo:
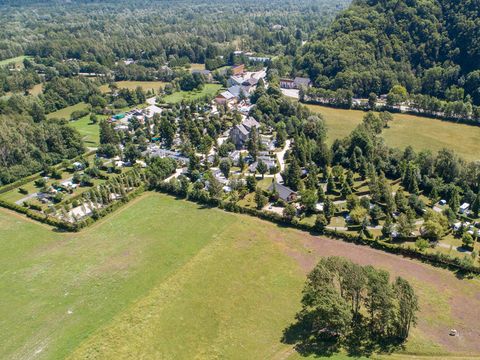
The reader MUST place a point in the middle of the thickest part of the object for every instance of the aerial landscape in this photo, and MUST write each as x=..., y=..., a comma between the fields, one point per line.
x=281, y=179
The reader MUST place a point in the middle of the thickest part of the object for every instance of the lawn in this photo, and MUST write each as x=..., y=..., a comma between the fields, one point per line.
x=419, y=132
x=66, y=112
x=132, y=85
x=89, y=131
x=197, y=67
x=208, y=89
x=18, y=61
x=164, y=278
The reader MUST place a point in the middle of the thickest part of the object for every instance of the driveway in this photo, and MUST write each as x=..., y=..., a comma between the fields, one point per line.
x=281, y=160
x=291, y=93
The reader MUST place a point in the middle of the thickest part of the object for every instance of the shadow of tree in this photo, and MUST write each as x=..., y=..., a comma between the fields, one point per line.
x=358, y=342
x=306, y=343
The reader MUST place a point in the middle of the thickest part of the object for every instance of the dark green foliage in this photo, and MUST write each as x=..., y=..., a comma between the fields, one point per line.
x=159, y=169
x=27, y=147
x=427, y=46
x=347, y=305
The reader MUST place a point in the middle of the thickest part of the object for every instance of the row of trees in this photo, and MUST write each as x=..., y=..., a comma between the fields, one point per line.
x=453, y=108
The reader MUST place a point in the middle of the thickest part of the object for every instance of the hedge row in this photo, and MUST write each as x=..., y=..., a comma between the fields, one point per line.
x=65, y=225
x=98, y=214
x=33, y=214
x=438, y=259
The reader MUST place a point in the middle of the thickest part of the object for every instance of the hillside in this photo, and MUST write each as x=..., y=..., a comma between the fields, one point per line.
x=428, y=46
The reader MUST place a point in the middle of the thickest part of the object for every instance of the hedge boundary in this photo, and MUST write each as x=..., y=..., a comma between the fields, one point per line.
x=436, y=259
x=68, y=226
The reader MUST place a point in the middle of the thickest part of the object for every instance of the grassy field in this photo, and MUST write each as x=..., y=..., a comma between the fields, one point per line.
x=89, y=131
x=18, y=61
x=419, y=132
x=132, y=85
x=209, y=89
x=66, y=112
x=164, y=278
x=197, y=67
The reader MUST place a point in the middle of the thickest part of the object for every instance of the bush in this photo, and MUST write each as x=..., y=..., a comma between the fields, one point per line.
x=40, y=183
x=79, y=114
x=422, y=244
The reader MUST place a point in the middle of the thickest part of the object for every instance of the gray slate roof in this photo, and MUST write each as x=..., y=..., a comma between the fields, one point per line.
x=283, y=191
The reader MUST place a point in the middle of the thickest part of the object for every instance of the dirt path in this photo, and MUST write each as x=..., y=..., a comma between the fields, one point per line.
x=446, y=301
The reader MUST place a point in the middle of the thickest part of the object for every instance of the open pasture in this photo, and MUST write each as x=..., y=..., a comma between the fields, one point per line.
x=419, y=132
x=161, y=273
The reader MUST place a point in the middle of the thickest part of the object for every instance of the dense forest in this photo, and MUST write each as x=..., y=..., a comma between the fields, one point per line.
x=61, y=41
x=428, y=46
x=158, y=31
x=26, y=146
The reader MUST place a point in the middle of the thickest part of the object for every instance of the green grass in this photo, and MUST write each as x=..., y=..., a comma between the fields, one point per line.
x=66, y=112
x=160, y=278
x=208, y=89
x=132, y=85
x=419, y=132
x=18, y=61
x=89, y=131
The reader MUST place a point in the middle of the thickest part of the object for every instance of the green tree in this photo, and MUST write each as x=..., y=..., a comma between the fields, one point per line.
x=405, y=225
x=167, y=131
x=309, y=199
x=467, y=241
x=107, y=134
x=358, y=214
x=131, y=153
x=252, y=143
x=320, y=223
x=214, y=187
x=387, y=227
x=328, y=208
x=37, y=113
x=262, y=168
x=225, y=166
x=251, y=183
x=260, y=199
x=476, y=205
x=289, y=212
x=454, y=201
x=407, y=307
